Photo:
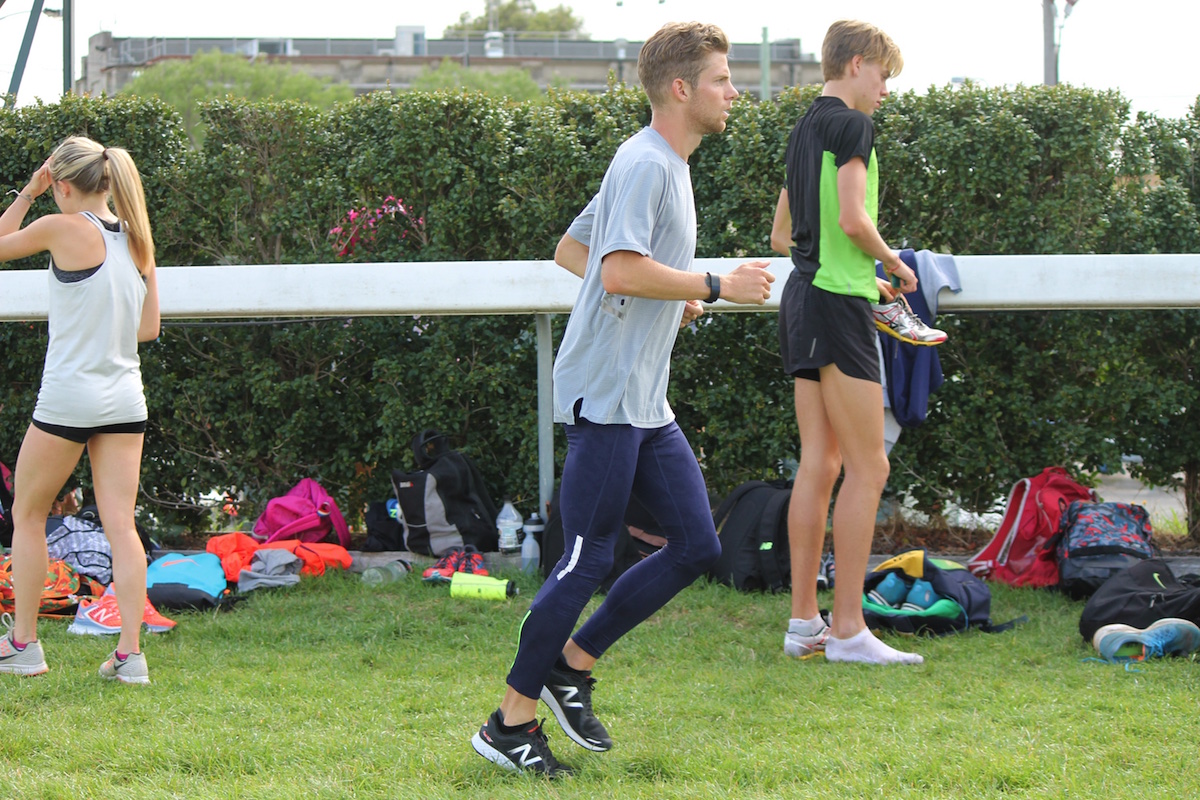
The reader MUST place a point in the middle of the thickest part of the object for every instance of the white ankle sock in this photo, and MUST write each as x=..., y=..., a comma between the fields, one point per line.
x=806, y=627
x=864, y=648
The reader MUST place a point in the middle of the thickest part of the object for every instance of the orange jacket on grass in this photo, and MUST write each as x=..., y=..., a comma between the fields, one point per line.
x=236, y=549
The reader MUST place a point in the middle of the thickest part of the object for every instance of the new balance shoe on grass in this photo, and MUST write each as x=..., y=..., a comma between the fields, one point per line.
x=97, y=617
x=568, y=693
x=102, y=616
x=132, y=670
x=897, y=319
x=524, y=750
x=28, y=661
x=1166, y=637
x=154, y=621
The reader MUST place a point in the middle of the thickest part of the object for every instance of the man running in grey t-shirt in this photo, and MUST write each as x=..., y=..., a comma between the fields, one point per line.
x=634, y=246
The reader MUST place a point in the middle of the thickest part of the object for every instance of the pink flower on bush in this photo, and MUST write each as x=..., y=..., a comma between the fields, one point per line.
x=367, y=228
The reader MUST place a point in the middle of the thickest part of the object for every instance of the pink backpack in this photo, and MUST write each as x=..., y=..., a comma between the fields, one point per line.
x=307, y=513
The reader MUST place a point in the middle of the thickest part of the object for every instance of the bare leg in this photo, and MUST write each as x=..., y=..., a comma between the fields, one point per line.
x=43, y=466
x=808, y=511
x=578, y=658
x=116, y=463
x=516, y=708
x=855, y=409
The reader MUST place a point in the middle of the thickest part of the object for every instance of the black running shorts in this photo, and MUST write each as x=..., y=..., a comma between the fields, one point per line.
x=81, y=435
x=818, y=328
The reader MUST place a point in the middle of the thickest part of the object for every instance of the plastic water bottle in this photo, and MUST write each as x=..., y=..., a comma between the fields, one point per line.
x=390, y=572
x=508, y=522
x=531, y=551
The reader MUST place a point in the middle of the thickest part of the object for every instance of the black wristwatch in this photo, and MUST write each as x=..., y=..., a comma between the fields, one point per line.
x=713, y=282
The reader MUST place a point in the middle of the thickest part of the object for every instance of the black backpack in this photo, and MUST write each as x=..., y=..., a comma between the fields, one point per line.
x=384, y=532
x=1139, y=596
x=627, y=551
x=752, y=524
x=444, y=503
x=6, y=501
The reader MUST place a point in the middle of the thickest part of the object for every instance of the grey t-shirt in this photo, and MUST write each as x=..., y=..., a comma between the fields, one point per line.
x=616, y=352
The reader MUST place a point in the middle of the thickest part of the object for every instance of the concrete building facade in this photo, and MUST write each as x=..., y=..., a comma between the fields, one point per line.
x=369, y=65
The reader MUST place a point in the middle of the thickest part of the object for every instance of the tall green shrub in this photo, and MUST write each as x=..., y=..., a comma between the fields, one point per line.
x=249, y=409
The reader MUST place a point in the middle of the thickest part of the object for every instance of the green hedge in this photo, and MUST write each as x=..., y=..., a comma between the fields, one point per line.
x=250, y=409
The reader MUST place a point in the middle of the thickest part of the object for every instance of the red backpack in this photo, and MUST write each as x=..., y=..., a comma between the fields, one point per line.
x=306, y=512
x=1017, y=554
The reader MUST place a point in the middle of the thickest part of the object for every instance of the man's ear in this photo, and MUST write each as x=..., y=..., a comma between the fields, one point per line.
x=680, y=90
x=856, y=65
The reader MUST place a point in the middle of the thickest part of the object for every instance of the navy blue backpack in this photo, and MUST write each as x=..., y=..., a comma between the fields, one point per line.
x=1096, y=541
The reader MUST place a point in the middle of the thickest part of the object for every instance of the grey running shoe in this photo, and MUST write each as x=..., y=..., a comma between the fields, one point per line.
x=825, y=573
x=799, y=645
x=28, y=662
x=523, y=751
x=130, y=671
x=569, y=695
x=897, y=319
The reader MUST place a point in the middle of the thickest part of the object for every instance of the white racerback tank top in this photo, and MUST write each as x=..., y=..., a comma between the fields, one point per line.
x=93, y=376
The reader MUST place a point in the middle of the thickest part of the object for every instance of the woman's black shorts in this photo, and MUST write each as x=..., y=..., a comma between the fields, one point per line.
x=818, y=328
x=81, y=435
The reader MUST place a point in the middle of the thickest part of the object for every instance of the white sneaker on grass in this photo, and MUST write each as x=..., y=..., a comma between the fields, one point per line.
x=132, y=670
x=28, y=662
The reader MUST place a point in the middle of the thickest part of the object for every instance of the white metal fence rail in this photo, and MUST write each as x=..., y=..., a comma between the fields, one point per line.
x=539, y=288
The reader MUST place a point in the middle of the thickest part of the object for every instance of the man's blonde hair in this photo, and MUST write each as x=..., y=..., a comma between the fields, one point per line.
x=848, y=38
x=677, y=50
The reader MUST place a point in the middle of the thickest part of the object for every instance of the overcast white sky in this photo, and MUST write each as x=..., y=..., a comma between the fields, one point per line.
x=1143, y=50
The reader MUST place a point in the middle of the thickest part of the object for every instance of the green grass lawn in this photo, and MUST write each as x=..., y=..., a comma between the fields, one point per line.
x=332, y=689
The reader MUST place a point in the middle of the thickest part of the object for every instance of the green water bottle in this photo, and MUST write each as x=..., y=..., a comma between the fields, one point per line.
x=481, y=587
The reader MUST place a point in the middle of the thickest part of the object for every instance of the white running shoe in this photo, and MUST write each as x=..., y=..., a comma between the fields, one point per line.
x=898, y=320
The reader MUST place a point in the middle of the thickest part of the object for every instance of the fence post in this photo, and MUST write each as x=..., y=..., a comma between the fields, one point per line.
x=545, y=372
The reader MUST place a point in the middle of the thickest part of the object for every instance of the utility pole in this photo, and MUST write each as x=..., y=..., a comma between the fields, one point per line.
x=23, y=55
x=764, y=67
x=68, y=54
x=1050, y=55
x=1052, y=41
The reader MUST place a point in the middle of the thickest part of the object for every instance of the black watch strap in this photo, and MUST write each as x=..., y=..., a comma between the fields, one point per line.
x=713, y=282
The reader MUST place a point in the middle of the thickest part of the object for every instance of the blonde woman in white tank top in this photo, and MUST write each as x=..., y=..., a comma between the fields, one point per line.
x=103, y=301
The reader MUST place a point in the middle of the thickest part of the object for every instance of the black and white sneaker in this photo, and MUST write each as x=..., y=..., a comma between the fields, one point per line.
x=524, y=751
x=569, y=695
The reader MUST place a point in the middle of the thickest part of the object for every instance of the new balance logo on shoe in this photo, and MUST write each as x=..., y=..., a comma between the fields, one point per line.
x=523, y=750
x=566, y=695
x=524, y=757
x=569, y=696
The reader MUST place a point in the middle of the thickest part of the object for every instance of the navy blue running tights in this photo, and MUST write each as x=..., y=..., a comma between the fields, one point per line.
x=605, y=465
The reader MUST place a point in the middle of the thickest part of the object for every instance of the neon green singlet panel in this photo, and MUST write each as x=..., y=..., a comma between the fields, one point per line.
x=844, y=268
